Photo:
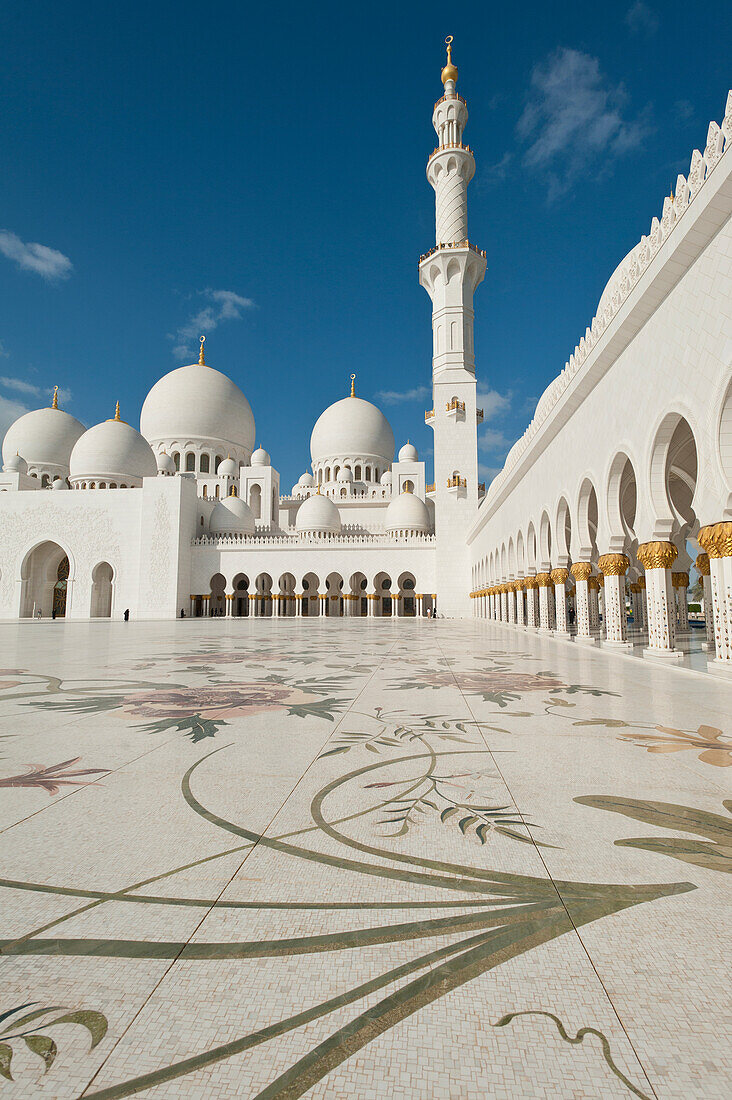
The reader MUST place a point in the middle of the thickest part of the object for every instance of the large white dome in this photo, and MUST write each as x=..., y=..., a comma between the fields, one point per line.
x=318, y=513
x=198, y=403
x=44, y=437
x=407, y=513
x=354, y=428
x=112, y=451
x=232, y=516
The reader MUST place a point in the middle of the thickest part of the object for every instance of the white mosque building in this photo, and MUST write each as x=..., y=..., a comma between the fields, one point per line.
x=626, y=463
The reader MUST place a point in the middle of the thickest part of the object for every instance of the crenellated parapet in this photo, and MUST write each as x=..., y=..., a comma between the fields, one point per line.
x=626, y=277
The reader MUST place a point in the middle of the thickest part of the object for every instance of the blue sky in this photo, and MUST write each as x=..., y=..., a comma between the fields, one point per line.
x=257, y=172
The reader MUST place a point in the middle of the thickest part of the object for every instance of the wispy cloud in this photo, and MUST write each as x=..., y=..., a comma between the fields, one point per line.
x=3, y=351
x=47, y=262
x=574, y=121
x=641, y=19
x=221, y=305
x=21, y=386
x=495, y=173
x=10, y=410
x=400, y=397
x=684, y=110
x=492, y=402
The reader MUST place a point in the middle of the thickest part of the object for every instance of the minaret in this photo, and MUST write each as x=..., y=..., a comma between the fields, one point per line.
x=450, y=272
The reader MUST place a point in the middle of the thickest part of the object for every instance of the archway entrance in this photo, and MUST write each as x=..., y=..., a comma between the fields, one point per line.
x=101, y=600
x=60, y=588
x=45, y=576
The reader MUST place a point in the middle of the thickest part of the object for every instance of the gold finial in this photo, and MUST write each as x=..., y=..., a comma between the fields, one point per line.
x=54, y=403
x=116, y=412
x=353, y=385
x=201, y=360
x=671, y=195
x=449, y=72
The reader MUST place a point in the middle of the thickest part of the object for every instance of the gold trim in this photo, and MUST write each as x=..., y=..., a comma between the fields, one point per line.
x=559, y=576
x=543, y=580
x=716, y=539
x=656, y=555
x=613, y=565
x=581, y=570
x=702, y=565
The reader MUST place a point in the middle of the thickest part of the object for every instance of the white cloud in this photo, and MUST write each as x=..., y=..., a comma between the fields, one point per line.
x=641, y=19
x=398, y=397
x=21, y=386
x=573, y=121
x=492, y=439
x=492, y=402
x=223, y=305
x=44, y=261
x=495, y=173
x=10, y=410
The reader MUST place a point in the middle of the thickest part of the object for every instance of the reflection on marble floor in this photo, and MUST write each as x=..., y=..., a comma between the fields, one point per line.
x=358, y=859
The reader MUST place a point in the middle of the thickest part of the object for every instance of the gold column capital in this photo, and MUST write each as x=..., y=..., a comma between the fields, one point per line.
x=593, y=583
x=702, y=565
x=530, y=583
x=656, y=555
x=613, y=565
x=559, y=576
x=680, y=580
x=581, y=570
x=716, y=539
x=543, y=580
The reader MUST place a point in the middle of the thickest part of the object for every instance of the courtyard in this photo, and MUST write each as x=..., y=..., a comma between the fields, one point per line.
x=358, y=859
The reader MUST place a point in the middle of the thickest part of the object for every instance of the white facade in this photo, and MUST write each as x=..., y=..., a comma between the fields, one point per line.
x=625, y=465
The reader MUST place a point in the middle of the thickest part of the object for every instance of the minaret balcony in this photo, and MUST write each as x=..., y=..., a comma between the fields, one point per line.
x=455, y=407
x=451, y=145
x=479, y=416
x=429, y=489
x=453, y=244
x=454, y=96
x=456, y=482
x=429, y=416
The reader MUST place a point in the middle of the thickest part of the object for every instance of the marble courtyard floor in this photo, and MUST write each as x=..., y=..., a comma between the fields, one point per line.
x=351, y=859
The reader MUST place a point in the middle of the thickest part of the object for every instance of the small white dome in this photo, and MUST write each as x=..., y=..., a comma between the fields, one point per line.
x=166, y=465
x=386, y=478
x=112, y=451
x=59, y=483
x=407, y=513
x=198, y=402
x=261, y=458
x=44, y=437
x=352, y=427
x=232, y=516
x=306, y=481
x=408, y=453
x=318, y=513
x=228, y=468
x=344, y=474
x=15, y=464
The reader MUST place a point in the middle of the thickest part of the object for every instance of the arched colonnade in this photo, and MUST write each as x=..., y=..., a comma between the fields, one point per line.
x=313, y=596
x=583, y=567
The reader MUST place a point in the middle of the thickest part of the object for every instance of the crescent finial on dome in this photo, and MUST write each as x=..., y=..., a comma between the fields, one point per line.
x=201, y=360
x=353, y=385
x=54, y=403
x=450, y=71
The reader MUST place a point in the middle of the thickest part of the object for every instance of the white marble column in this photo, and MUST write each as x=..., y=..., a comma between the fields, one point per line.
x=298, y=605
x=532, y=610
x=657, y=559
x=716, y=541
x=519, y=586
x=544, y=581
x=680, y=582
x=559, y=577
x=614, y=568
x=702, y=565
x=582, y=573
x=372, y=605
x=511, y=597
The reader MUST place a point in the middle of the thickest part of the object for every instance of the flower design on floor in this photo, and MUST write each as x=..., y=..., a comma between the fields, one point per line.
x=52, y=778
x=502, y=685
x=708, y=739
x=30, y=1027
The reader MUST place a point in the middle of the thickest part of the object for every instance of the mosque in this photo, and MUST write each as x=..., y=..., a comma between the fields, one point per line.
x=627, y=462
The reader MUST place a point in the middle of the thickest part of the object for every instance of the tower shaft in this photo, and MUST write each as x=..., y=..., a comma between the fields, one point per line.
x=450, y=272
